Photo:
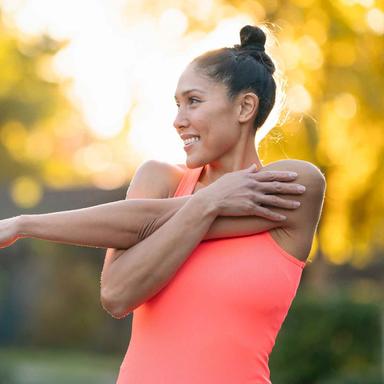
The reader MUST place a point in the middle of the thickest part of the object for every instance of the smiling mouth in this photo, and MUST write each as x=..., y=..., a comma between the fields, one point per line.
x=191, y=140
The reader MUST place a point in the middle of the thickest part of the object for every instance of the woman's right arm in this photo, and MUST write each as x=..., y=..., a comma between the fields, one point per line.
x=130, y=277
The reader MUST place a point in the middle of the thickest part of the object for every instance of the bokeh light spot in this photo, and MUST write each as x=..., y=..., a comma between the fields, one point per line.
x=14, y=135
x=311, y=54
x=173, y=22
x=291, y=54
x=375, y=20
x=26, y=192
x=39, y=146
x=345, y=105
x=298, y=98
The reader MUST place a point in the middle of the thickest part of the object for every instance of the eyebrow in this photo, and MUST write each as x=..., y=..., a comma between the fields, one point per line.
x=190, y=90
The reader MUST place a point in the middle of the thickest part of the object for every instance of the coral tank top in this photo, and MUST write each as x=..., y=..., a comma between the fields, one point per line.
x=217, y=320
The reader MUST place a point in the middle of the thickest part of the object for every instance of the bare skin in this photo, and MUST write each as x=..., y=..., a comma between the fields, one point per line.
x=122, y=224
x=225, y=144
x=150, y=235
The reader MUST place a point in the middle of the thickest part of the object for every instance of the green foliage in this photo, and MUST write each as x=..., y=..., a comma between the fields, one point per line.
x=32, y=366
x=323, y=341
x=331, y=50
x=328, y=341
x=52, y=299
x=26, y=98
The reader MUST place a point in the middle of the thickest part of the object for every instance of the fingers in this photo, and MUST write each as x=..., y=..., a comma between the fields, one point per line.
x=268, y=214
x=278, y=202
x=275, y=176
x=282, y=188
x=252, y=168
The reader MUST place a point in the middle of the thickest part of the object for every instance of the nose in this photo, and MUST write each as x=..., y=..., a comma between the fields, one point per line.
x=180, y=121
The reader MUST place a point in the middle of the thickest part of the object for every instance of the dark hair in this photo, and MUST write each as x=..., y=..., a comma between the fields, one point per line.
x=244, y=67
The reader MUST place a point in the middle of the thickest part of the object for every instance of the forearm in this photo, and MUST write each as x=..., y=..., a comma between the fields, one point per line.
x=144, y=269
x=112, y=225
x=223, y=226
x=122, y=224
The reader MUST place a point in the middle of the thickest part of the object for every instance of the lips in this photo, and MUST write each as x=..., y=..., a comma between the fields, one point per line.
x=189, y=135
x=189, y=139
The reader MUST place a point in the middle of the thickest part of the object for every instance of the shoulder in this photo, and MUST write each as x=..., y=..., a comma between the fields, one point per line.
x=308, y=174
x=155, y=179
x=295, y=165
x=311, y=200
x=296, y=235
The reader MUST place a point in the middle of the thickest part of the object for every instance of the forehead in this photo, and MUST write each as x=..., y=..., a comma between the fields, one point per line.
x=192, y=80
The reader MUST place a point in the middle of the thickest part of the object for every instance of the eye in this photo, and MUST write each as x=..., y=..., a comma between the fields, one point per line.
x=193, y=100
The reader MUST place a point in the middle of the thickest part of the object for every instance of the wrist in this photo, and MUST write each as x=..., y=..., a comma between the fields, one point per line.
x=23, y=226
x=205, y=205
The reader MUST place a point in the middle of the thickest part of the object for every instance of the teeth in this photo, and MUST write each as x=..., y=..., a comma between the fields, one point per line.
x=191, y=140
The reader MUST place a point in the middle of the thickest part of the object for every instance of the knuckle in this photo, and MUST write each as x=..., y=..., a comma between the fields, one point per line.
x=277, y=186
x=249, y=176
x=248, y=206
x=250, y=182
x=263, y=176
x=248, y=195
x=267, y=213
x=271, y=176
x=275, y=200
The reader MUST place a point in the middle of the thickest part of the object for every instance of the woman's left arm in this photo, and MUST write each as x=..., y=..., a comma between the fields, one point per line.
x=302, y=219
x=111, y=225
x=124, y=223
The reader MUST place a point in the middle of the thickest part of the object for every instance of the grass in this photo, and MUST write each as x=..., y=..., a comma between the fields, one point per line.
x=31, y=366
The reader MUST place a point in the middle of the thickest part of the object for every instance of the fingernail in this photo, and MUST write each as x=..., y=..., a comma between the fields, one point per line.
x=281, y=217
x=296, y=204
x=292, y=174
x=301, y=188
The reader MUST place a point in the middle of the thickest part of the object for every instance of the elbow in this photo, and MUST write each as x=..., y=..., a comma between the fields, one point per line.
x=113, y=304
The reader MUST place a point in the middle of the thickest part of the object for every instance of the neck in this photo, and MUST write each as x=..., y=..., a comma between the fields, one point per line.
x=240, y=157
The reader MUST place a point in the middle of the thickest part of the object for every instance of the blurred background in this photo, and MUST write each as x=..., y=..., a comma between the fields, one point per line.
x=86, y=95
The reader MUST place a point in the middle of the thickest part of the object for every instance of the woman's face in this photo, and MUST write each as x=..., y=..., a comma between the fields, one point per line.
x=207, y=121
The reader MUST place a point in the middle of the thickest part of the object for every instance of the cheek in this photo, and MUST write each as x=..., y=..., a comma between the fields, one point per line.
x=221, y=138
x=227, y=116
x=218, y=119
x=217, y=126
x=224, y=128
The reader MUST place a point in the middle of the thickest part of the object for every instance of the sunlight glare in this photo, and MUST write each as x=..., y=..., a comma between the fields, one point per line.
x=375, y=20
x=173, y=22
x=298, y=99
x=123, y=70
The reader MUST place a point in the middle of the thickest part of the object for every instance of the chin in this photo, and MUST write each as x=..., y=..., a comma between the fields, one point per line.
x=192, y=163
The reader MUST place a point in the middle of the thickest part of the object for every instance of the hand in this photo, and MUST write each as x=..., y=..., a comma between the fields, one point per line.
x=247, y=192
x=9, y=231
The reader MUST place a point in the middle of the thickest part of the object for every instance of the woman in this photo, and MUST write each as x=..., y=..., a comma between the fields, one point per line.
x=204, y=311
x=217, y=319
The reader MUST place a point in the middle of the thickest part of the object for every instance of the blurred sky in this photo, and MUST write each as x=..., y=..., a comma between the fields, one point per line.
x=125, y=56
x=123, y=59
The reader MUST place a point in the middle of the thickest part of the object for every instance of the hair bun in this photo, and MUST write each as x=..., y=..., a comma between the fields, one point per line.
x=253, y=38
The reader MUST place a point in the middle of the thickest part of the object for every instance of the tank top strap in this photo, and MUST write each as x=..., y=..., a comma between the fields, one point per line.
x=188, y=181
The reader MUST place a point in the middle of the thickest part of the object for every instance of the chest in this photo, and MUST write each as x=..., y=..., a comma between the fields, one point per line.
x=239, y=273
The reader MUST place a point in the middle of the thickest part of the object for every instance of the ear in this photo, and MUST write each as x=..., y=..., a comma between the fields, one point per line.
x=249, y=104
